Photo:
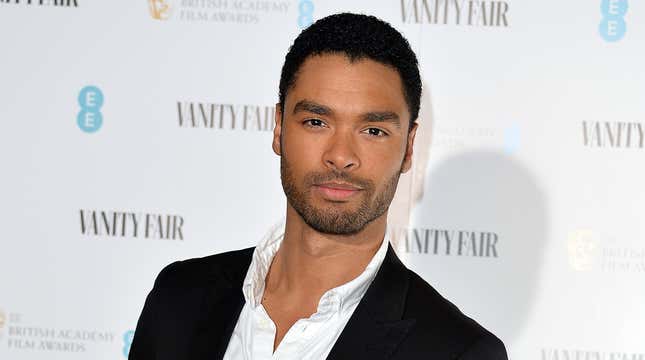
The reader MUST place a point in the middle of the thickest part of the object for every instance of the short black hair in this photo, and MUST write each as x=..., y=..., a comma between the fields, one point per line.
x=358, y=37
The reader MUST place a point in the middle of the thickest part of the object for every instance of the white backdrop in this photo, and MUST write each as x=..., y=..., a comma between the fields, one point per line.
x=138, y=133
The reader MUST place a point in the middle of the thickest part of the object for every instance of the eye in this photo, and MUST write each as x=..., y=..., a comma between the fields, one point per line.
x=375, y=132
x=314, y=123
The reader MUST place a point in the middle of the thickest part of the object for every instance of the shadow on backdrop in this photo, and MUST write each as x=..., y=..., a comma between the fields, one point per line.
x=483, y=192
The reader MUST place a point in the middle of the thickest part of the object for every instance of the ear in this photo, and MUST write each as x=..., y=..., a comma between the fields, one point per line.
x=407, y=160
x=277, y=130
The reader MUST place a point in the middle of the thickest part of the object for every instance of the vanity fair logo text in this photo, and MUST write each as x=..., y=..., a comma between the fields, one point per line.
x=114, y=223
x=478, y=13
x=220, y=116
x=444, y=242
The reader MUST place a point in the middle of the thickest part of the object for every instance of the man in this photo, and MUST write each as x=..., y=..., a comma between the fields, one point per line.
x=327, y=285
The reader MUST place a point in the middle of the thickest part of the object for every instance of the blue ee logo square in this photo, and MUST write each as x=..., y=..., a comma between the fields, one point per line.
x=90, y=99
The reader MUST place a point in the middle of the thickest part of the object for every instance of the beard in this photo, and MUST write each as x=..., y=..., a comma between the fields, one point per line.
x=333, y=219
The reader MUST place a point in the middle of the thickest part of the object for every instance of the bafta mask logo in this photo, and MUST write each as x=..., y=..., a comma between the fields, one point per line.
x=583, y=250
x=159, y=9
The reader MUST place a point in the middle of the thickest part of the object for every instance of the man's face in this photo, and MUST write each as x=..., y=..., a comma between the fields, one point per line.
x=343, y=140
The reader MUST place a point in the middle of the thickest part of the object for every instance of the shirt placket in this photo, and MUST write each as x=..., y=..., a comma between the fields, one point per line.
x=263, y=334
x=303, y=331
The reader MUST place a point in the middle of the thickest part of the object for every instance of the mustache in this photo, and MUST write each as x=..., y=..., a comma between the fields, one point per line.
x=318, y=178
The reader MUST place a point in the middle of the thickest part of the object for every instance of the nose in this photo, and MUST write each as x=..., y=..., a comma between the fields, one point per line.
x=340, y=154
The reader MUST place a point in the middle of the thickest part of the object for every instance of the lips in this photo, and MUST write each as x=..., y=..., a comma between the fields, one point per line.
x=337, y=191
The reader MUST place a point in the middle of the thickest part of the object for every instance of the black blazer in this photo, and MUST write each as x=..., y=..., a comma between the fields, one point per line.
x=193, y=308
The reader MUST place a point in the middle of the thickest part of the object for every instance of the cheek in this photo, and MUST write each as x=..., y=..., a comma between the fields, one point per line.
x=302, y=152
x=383, y=159
x=381, y=170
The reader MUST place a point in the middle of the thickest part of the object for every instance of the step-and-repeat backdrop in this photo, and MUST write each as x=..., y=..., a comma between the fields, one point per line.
x=136, y=133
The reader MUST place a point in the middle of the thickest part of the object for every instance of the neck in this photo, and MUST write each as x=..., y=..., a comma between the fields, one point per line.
x=309, y=263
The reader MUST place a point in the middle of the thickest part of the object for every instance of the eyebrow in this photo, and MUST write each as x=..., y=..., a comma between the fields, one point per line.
x=372, y=116
x=312, y=107
x=383, y=116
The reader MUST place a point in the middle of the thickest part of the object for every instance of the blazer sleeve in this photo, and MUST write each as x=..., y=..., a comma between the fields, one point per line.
x=144, y=343
x=487, y=347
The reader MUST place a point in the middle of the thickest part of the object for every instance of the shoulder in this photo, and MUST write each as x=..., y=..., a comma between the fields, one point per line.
x=181, y=299
x=453, y=333
x=198, y=271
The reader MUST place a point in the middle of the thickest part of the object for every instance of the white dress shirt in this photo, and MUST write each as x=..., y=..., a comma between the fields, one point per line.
x=310, y=338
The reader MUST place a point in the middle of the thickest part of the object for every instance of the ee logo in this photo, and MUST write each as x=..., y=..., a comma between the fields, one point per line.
x=305, y=13
x=127, y=342
x=90, y=119
x=612, y=26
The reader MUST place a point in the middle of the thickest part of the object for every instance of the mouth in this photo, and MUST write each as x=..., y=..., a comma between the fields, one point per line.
x=337, y=191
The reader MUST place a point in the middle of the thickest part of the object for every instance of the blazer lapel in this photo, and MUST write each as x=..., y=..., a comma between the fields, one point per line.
x=222, y=304
x=376, y=327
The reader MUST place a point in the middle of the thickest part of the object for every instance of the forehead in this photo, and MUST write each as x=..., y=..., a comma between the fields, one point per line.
x=354, y=87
